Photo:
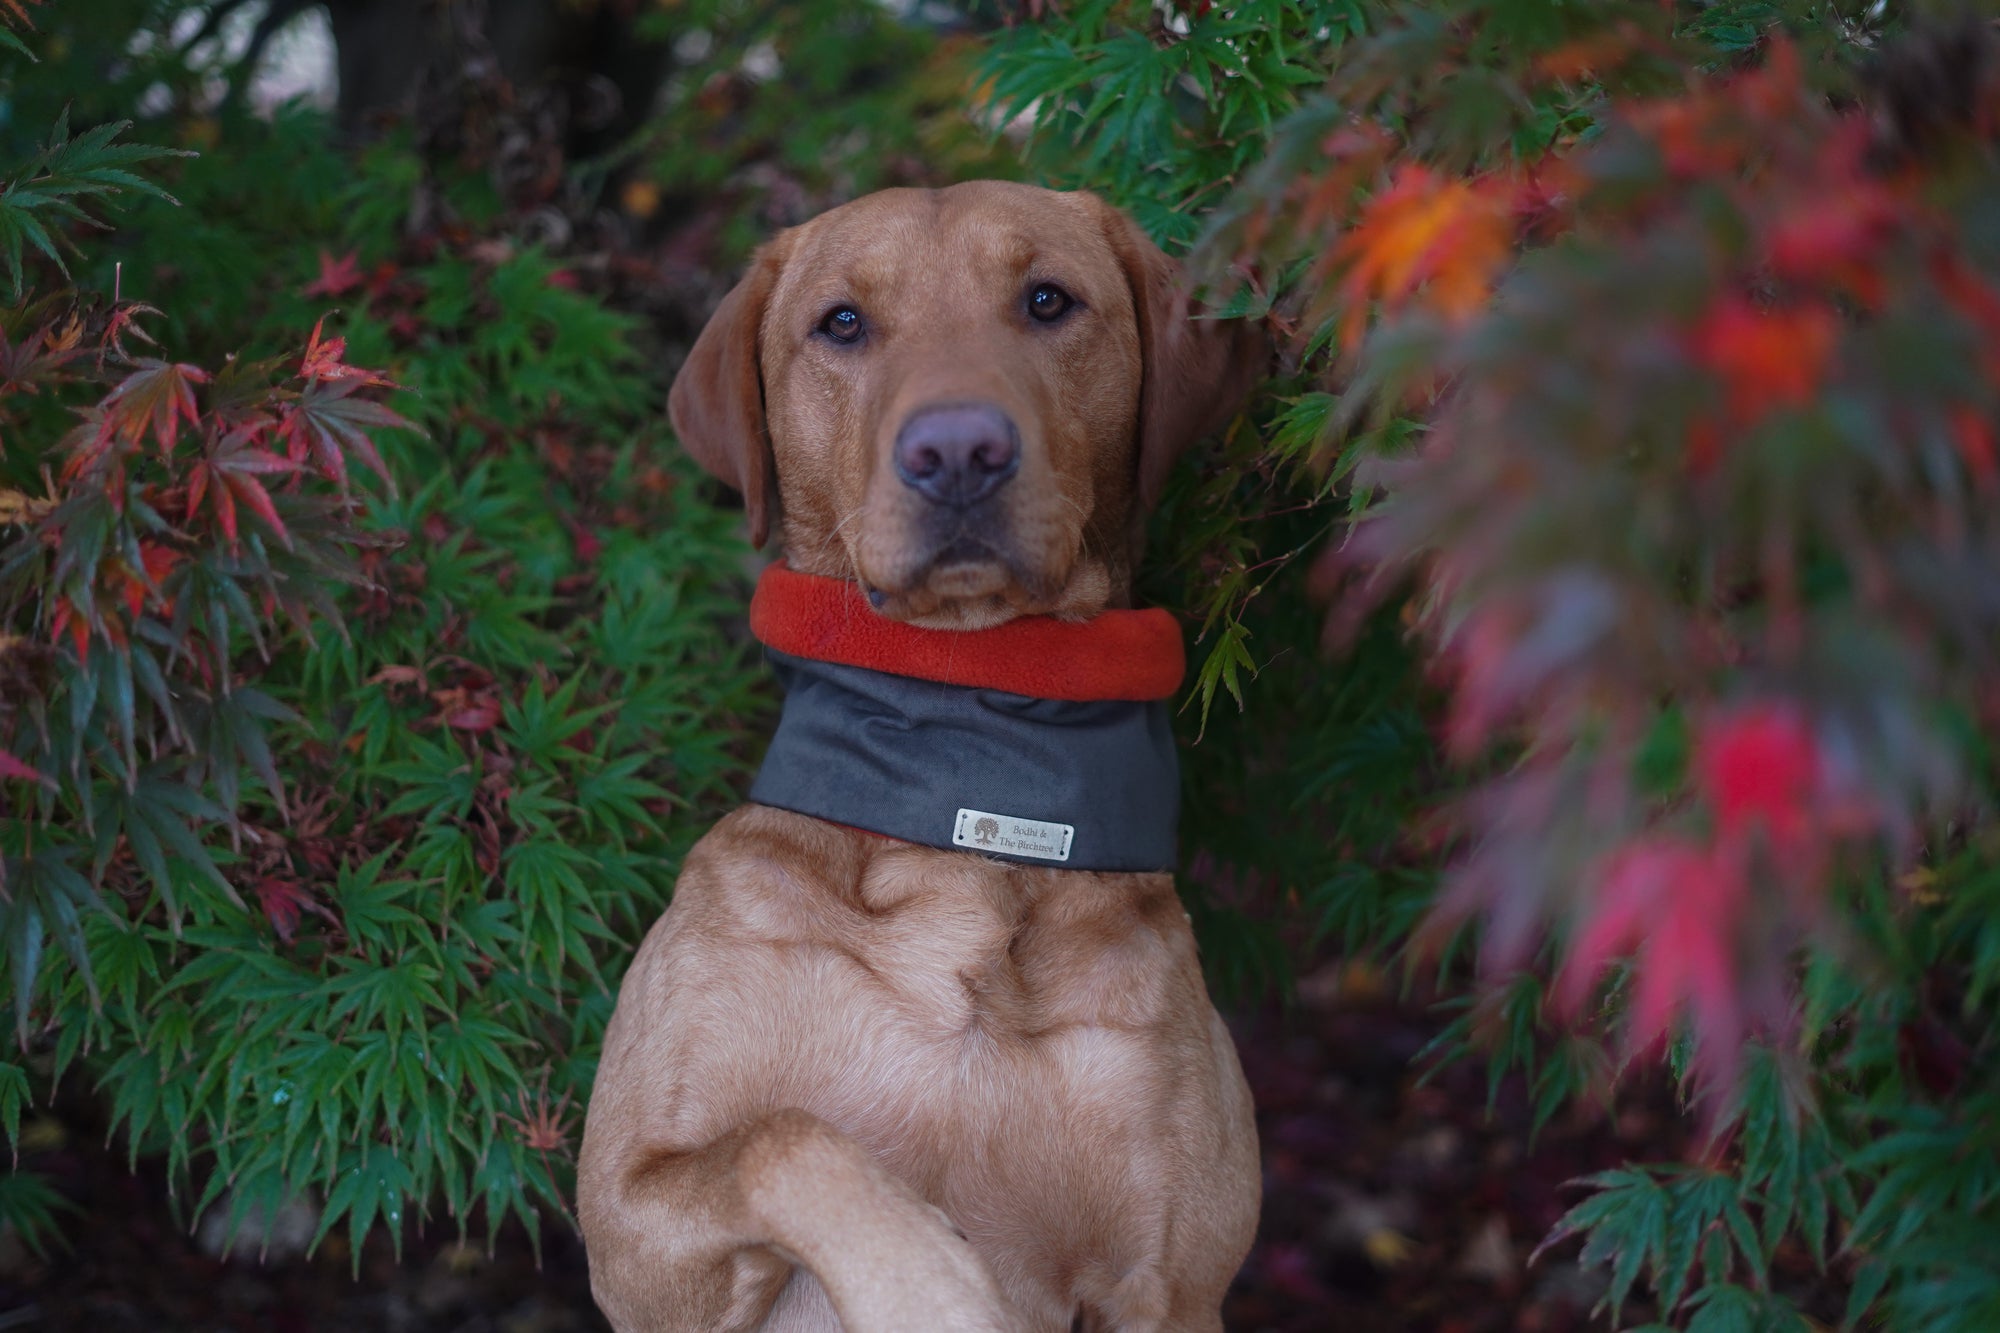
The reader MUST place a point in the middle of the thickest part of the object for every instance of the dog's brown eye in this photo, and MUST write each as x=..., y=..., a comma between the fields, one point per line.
x=1049, y=302
x=842, y=324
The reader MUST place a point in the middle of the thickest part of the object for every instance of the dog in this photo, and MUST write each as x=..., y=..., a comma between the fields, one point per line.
x=896, y=1059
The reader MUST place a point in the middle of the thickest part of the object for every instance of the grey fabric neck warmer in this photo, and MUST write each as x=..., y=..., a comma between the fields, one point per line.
x=1075, y=785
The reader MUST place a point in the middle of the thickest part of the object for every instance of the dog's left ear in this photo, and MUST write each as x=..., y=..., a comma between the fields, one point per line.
x=1197, y=372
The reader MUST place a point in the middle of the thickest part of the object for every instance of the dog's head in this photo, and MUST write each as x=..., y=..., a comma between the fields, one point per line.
x=963, y=398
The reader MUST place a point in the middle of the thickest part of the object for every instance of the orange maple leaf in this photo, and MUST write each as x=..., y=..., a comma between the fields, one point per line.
x=1594, y=54
x=1429, y=238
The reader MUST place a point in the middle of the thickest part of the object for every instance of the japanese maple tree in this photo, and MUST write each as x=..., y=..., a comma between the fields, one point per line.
x=1652, y=350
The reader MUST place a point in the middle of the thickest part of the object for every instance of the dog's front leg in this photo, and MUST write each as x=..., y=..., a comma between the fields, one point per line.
x=706, y=1239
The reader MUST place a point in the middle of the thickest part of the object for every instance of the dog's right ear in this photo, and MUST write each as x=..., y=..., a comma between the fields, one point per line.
x=717, y=400
x=1197, y=372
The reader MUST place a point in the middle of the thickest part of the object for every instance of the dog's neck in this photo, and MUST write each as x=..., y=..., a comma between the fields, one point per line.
x=1040, y=741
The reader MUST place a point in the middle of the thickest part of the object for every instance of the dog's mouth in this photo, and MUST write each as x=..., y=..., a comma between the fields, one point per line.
x=957, y=576
x=970, y=567
x=964, y=584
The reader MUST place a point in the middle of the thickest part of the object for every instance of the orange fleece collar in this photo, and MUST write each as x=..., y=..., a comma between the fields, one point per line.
x=1122, y=655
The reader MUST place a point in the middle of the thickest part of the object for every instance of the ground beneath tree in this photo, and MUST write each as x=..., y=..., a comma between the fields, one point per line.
x=1390, y=1204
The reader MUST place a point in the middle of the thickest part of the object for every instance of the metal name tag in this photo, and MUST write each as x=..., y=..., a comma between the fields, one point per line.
x=984, y=831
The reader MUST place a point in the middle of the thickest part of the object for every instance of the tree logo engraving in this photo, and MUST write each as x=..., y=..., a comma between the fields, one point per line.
x=985, y=831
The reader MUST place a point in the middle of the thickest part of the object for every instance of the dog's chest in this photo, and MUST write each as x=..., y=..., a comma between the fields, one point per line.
x=981, y=983
x=974, y=947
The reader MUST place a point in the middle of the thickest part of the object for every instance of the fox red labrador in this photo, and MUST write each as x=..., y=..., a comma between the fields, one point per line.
x=922, y=1042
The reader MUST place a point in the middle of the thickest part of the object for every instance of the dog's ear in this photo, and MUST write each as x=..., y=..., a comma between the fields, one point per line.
x=717, y=401
x=1196, y=373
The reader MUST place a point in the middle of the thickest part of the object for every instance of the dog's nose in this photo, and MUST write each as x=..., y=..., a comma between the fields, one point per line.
x=957, y=455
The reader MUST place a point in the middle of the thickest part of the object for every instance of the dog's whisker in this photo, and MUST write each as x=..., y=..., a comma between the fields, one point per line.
x=853, y=514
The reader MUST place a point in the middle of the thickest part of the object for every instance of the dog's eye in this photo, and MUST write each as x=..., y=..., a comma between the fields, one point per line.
x=842, y=324
x=1049, y=302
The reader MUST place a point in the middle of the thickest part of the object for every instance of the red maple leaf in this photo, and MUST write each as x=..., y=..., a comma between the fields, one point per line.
x=1765, y=359
x=124, y=321
x=1974, y=435
x=330, y=421
x=137, y=583
x=158, y=396
x=156, y=562
x=1761, y=767
x=67, y=617
x=588, y=544
x=1478, y=658
x=479, y=713
x=228, y=473
x=35, y=358
x=1834, y=234
x=397, y=675
x=335, y=275
x=285, y=900
x=1675, y=905
x=322, y=358
x=324, y=361
x=20, y=771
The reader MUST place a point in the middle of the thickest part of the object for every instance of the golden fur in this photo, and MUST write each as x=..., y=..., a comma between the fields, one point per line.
x=853, y=1083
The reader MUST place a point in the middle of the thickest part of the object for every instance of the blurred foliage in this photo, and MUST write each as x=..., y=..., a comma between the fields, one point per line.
x=1650, y=349
x=1304, y=787
x=93, y=62
x=777, y=113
